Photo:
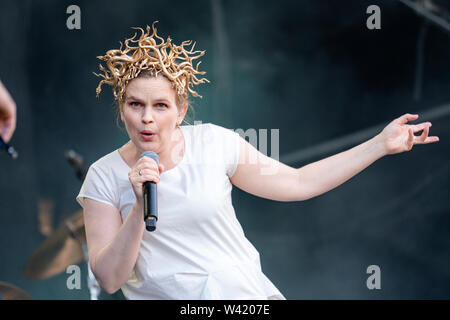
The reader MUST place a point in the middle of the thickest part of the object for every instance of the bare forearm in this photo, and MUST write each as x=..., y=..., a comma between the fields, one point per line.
x=113, y=264
x=324, y=175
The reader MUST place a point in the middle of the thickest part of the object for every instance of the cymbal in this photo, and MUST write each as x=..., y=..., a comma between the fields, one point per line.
x=59, y=250
x=10, y=292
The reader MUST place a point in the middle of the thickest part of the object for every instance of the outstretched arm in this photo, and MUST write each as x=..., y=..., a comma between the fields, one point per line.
x=284, y=183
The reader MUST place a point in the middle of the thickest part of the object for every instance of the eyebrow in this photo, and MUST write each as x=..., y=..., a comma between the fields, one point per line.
x=132, y=98
x=162, y=100
x=138, y=99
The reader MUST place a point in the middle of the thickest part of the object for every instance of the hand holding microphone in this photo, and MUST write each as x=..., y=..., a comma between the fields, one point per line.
x=143, y=177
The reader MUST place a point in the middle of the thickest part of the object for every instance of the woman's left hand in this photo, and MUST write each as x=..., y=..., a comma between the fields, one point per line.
x=398, y=136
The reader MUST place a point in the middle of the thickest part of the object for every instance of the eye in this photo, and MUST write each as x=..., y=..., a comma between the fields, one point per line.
x=134, y=104
x=162, y=105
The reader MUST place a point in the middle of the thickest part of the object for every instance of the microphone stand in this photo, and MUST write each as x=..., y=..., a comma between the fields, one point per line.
x=94, y=288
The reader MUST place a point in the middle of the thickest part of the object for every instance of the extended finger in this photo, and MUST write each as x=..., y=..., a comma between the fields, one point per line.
x=431, y=139
x=406, y=117
x=423, y=136
x=420, y=126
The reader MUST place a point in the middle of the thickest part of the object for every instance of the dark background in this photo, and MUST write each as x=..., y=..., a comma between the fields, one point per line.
x=311, y=69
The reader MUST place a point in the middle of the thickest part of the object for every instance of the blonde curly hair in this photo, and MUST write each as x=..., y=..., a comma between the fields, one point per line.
x=151, y=58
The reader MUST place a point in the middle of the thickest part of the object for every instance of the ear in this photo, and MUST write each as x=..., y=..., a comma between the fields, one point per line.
x=121, y=112
x=181, y=114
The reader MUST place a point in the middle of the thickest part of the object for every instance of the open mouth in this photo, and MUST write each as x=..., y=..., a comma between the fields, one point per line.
x=147, y=135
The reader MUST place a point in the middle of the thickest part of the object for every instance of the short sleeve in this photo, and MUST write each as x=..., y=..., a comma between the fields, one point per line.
x=229, y=142
x=98, y=185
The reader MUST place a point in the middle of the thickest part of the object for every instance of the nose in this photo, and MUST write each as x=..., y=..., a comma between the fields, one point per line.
x=147, y=115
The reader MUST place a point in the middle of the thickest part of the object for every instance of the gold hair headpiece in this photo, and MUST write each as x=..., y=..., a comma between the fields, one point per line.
x=125, y=65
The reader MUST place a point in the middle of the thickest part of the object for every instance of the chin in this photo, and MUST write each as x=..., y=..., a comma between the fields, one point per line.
x=147, y=144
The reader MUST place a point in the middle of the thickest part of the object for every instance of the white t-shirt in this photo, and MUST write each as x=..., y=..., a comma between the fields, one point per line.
x=198, y=250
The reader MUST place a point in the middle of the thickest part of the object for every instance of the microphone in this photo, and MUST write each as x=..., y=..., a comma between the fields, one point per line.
x=77, y=162
x=9, y=149
x=150, y=197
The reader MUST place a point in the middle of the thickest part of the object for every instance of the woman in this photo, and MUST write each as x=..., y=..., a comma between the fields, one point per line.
x=199, y=250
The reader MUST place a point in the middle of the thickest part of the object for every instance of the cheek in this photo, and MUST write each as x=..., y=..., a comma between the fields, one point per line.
x=168, y=119
x=129, y=120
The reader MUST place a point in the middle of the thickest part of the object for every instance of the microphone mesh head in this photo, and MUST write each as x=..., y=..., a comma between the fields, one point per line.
x=150, y=154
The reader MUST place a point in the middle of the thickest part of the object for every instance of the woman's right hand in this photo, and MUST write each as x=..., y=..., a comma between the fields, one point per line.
x=145, y=169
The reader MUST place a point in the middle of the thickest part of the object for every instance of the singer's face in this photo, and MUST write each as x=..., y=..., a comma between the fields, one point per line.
x=150, y=114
